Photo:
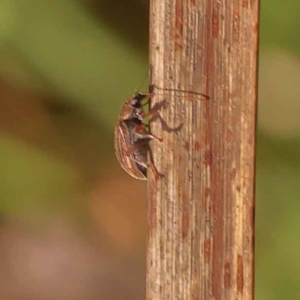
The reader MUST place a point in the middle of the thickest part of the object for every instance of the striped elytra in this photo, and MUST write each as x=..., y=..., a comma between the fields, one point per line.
x=132, y=139
x=130, y=150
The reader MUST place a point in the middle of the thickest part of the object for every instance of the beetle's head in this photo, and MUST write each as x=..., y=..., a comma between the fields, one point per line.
x=136, y=100
x=131, y=109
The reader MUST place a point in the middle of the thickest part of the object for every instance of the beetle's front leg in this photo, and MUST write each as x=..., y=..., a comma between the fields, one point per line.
x=154, y=111
x=154, y=114
x=141, y=96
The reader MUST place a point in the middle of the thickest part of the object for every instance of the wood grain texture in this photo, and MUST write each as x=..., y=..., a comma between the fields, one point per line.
x=201, y=214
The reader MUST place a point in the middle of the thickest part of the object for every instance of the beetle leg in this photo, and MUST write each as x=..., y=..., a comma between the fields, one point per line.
x=149, y=164
x=154, y=111
x=148, y=96
x=140, y=130
x=155, y=172
x=143, y=96
x=140, y=162
x=132, y=148
x=164, y=124
x=154, y=114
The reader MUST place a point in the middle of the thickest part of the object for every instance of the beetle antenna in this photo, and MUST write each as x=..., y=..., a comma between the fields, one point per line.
x=153, y=86
x=142, y=82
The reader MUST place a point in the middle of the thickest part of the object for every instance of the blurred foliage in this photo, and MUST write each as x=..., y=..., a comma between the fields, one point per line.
x=66, y=51
x=280, y=25
x=66, y=66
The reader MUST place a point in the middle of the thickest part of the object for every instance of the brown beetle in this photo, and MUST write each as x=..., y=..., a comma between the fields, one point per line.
x=132, y=137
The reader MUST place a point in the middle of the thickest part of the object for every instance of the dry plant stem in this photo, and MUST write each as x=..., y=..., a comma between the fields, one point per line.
x=201, y=213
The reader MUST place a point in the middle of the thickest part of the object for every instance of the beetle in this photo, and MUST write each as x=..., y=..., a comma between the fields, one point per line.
x=132, y=137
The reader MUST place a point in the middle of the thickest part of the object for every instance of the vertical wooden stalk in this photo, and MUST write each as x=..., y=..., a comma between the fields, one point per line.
x=201, y=214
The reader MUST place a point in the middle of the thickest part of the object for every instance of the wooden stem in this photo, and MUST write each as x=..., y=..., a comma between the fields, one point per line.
x=201, y=213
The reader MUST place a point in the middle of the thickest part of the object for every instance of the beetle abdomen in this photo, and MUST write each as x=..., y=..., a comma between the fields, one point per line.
x=131, y=152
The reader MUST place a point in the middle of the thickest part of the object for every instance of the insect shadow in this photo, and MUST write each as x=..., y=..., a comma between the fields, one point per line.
x=158, y=107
